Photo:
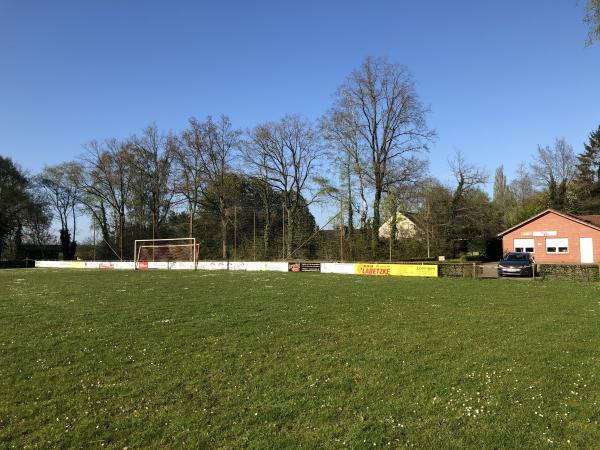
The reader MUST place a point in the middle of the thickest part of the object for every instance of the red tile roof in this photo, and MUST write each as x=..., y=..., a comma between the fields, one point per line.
x=594, y=219
x=589, y=220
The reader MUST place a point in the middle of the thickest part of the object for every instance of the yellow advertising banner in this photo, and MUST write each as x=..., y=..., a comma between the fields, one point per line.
x=403, y=270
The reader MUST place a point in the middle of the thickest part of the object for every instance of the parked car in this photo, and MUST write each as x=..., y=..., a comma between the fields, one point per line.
x=516, y=264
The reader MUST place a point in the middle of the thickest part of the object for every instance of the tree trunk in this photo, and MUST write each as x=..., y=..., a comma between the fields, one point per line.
x=350, y=203
x=191, y=224
x=376, y=222
x=121, y=228
x=65, y=243
x=74, y=222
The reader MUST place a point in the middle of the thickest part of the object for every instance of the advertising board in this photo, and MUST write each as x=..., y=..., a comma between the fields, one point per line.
x=403, y=270
x=304, y=267
x=212, y=265
x=346, y=268
x=276, y=266
x=238, y=265
x=407, y=270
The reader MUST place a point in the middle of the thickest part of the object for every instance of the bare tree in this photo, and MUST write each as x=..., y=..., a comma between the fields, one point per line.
x=554, y=169
x=434, y=200
x=379, y=99
x=61, y=191
x=592, y=20
x=153, y=160
x=340, y=131
x=522, y=185
x=190, y=176
x=107, y=180
x=287, y=154
x=468, y=177
x=217, y=144
x=256, y=161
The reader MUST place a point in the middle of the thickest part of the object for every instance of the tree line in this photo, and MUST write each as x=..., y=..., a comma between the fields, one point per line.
x=248, y=194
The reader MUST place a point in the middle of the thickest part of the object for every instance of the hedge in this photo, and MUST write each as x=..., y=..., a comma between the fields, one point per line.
x=459, y=270
x=575, y=272
x=17, y=264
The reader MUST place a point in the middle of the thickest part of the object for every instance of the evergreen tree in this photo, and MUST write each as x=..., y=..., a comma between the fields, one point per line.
x=587, y=178
x=13, y=199
x=502, y=197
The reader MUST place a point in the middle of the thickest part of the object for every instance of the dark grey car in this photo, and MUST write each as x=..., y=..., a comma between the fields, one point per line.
x=516, y=264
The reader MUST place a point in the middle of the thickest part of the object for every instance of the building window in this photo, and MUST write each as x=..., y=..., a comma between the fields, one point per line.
x=557, y=245
x=524, y=245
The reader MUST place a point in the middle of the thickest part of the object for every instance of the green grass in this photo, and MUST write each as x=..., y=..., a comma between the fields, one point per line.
x=270, y=360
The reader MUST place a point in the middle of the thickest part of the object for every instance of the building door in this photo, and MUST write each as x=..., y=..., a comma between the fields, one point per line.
x=586, y=248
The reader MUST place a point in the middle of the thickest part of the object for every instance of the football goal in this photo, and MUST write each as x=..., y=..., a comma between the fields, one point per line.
x=165, y=250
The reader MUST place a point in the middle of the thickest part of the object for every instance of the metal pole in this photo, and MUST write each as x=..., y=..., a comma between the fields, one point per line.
x=341, y=229
x=283, y=232
x=235, y=233
x=427, y=227
x=153, y=235
x=254, y=233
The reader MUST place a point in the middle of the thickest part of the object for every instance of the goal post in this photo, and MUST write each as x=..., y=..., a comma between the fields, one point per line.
x=165, y=250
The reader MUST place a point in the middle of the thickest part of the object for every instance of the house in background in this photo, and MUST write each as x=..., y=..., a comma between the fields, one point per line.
x=405, y=228
x=556, y=237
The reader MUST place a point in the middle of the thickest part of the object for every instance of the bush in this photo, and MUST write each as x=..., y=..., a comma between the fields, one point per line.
x=16, y=264
x=459, y=270
x=471, y=258
x=575, y=272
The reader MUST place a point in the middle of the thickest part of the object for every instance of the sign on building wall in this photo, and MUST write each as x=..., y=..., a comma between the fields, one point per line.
x=404, y=270
x=545, y=233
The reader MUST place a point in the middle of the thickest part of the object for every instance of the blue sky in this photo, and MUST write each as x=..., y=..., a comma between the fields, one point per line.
x=500, y=77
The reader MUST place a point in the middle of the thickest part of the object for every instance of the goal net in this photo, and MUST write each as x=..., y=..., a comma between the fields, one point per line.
x=165, y=250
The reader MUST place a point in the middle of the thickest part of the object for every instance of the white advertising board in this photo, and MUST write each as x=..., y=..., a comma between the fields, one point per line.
x=347, y=268
x=212, y=265
x=276, y=266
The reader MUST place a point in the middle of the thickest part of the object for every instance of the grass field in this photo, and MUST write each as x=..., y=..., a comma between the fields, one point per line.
x=271, y=360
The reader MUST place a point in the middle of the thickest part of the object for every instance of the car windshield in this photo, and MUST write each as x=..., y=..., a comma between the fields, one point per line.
x=516, y=257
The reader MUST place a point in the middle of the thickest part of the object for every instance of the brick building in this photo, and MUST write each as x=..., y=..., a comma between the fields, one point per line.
x=556, y=237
